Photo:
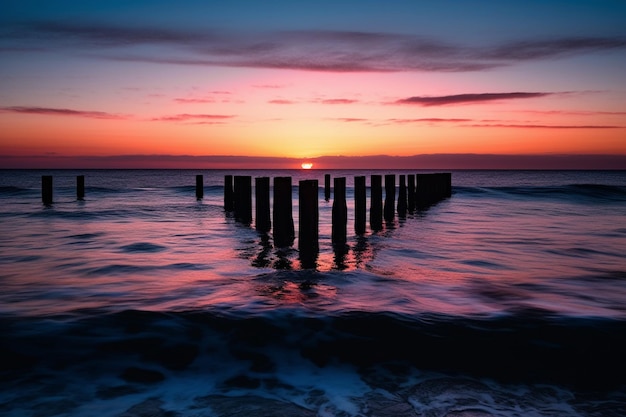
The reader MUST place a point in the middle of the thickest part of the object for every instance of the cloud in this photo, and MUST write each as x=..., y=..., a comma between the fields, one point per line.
x=524, y=50
x=338, y=101
x=198, y=118
x=467, y=98
x=350, y=119
x=62, y=112
x=428, y=120
x=424, y=161
x=309, y=50
x=536, y=126
x=281, y=101
x=194, y=100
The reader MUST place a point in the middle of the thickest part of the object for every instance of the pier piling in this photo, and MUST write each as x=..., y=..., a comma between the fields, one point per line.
x=199, y=187
x=229, y=203
x=284, y=233
x=308, y=227
x=376, y=203
x=80, y=187
x=327, y=187
x=339, y=212
x=390, y=197
x=411, y=192
x=243, y=198
x=360, y=203
x=46, y=189
x=262, y=206
x=402, y=203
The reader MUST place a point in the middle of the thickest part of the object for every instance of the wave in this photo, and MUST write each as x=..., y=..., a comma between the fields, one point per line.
x=582, y=193
x=525, y=347
x=288, y=363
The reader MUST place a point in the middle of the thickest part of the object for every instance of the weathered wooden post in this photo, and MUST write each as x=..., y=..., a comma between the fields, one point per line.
x=46, y=189
x=340, y=212
x=411, y=192
x=284, y=233
x=360, y=203
x=199, y=186
x=327, y=186
x=390, y=197
x=448, y=186
x=243, y=198
x=80, y=187
x=376, y=203
x=262, y=206
x=402, y=197
x=308, y=228
x=228, y=193
x=422, y=190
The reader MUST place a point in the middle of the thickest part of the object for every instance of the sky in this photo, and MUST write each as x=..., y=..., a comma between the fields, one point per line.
x=214, y=84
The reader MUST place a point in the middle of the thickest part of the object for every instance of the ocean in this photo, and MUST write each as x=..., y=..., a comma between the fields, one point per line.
x=506, y=299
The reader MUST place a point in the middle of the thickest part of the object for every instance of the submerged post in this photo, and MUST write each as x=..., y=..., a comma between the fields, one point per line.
x=376, y=203
x=411, y=192
x=284, y=233
x=390, y=197
x=228, y=193
x=46, y=189
x=340, y=212
x=199, y=186
x=243, y=198
x=402, y=197
x=308, y=230
x=262, y=207
x=327, y=186
x=80, y=187
x=360, y=203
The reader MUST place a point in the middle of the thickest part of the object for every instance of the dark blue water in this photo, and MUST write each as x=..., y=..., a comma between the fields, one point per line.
x=506, y=299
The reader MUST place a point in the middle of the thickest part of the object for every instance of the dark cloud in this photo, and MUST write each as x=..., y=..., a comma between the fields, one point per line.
x=467, y=98
x=62, y=112
x=281, y=101
x=311, y=50
x=198, y=118
x=338, y=101
x=536, y=126
x=548, y=48
x=428, y=120
x=425, y=161
x=350, y=119
x=194, y=100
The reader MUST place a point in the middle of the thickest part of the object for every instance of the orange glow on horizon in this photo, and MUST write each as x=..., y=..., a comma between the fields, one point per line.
x=307, y=165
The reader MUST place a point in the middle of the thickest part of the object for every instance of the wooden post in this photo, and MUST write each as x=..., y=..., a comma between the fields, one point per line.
x=340, y=212
x=243, y=198
x=80, y=187
x=402, y=197
x=46, y=189
x=262, y=207
x=308, y=230
x=360, y=202
x=229, y=203
x=390, y=197
x=376, y=203
x=199, y=186
x=327, y=186
x=284, y=233
x=411, y=193
x=422, y=190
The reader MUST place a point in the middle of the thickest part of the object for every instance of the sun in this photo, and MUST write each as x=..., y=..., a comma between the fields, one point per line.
x=306, y=165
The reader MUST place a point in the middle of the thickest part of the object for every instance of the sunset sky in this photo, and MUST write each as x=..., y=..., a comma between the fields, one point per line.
x=177, y=84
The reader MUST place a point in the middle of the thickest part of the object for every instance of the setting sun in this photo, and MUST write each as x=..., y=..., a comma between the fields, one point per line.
x=306, y=165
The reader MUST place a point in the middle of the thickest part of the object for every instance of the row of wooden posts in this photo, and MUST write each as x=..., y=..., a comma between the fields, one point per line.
x=415, y=192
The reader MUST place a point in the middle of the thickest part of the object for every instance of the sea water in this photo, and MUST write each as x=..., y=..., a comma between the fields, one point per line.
x=506, y=299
